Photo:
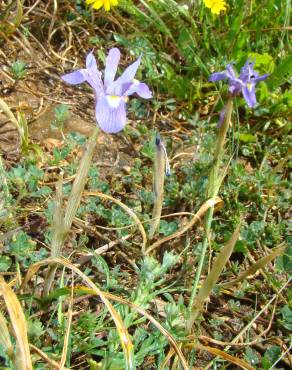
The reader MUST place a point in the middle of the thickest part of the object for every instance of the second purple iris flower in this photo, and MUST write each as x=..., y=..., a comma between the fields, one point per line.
x=245, y=83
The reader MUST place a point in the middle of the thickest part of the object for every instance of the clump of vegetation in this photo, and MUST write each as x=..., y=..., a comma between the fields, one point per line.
x=144, y=210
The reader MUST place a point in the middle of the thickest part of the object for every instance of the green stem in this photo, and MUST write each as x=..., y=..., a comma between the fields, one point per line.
x=62, y=225
x=159, y=174
x=80, y=181
x=212, y=191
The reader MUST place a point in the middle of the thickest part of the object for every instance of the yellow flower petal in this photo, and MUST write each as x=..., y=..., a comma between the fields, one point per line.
x=216, y=6
x=107, y=5
x=97, y=4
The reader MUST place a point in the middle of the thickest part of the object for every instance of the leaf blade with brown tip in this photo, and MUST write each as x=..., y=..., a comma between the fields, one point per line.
x=18, y=323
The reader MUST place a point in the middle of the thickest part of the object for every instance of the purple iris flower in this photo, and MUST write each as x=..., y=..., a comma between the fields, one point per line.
x=245, y=83
x=111, y=95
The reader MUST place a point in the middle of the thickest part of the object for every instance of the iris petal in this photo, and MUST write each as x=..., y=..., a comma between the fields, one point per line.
x=74, y=78
x=247, y=71
x=230, y=71
x=217, y=76
x=122, y=83
x=91, y=62
x=111, y=66
x=93, y=75
x=130, y=72
x=139, y=88
x=249, y=95
x=110, y=119
x=261, y=78
x=235, y=86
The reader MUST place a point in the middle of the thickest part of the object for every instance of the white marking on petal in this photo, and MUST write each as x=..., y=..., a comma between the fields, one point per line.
x=249, y=86
x=113, y=100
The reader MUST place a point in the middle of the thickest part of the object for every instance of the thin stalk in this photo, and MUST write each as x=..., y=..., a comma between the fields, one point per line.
x=7, y=111
x=158, y=185
x=80, y=181
x=62, y=224
x=212, y=191
x=58, y=234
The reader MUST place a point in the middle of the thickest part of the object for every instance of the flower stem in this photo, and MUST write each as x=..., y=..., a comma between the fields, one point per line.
x=159, y=174
x=212, y=191
x=62, y=223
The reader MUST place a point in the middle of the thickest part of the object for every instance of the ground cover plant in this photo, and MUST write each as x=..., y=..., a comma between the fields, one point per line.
x=145, y=205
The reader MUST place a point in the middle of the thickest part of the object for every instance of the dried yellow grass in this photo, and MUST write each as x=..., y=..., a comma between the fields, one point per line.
x=212, y=202
x=261, y=263
x=67, y=334
x=130, y=212
x=18, y=323
x=5, y=341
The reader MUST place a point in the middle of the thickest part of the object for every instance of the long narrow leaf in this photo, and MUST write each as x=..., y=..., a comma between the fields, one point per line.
x=5, y=108
x=256, y=266
x=19, y=14
x=80, y=180
x=213, y=276
x=18, y=322
x=67, y=334
x=5, y=341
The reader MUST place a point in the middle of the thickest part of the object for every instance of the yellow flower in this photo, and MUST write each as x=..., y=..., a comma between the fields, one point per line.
x=216, y=6
x=96, y=4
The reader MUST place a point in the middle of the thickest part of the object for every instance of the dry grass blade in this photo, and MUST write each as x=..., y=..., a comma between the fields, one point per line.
x=155, y=323
x=19, y=14
x=130, y=212
x=224, y=355
x=54, y=364
x=67, y=335
x=5, y=341
x=256, y=266
x=122, y=331
x=18, y=322
x=9, y=114
x=196, y=218
x=168, y=357
x=212, y=277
